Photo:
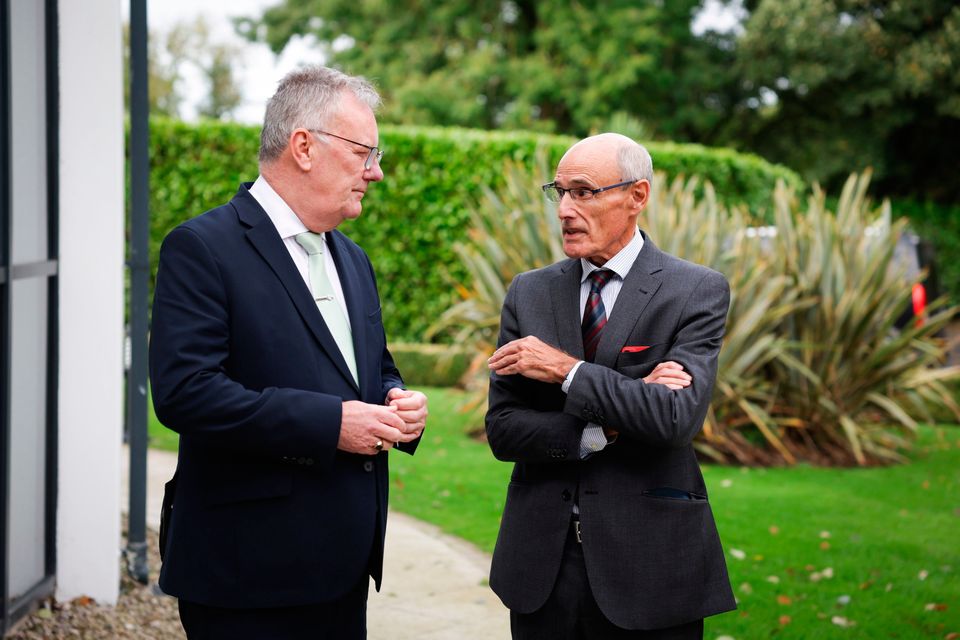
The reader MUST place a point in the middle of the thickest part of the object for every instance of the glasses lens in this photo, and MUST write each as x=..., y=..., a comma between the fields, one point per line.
x=375, y=153
x=550, y=191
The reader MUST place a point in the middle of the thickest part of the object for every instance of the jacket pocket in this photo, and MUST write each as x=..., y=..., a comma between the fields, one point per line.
x=252, y=486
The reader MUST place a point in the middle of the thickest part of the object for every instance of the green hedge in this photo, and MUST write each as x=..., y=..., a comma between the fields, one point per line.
x=431, y=365
x=412, y=220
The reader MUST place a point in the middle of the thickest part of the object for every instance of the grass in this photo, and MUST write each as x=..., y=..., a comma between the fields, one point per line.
x=812, y=553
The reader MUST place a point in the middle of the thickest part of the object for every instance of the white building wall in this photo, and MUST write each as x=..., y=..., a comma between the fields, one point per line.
x=91, y=299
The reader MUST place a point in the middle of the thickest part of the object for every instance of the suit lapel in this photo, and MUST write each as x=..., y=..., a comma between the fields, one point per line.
x=565, y=294
x=349, y=280
x=265, y=239
x=641, y=284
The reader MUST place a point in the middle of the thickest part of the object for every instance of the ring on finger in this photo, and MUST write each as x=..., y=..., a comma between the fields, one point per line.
x=379, y=445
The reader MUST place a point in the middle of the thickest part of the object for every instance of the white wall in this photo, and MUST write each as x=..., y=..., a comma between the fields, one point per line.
x=91, y=299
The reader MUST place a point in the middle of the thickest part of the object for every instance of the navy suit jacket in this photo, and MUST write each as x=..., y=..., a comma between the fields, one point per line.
x=267, y=512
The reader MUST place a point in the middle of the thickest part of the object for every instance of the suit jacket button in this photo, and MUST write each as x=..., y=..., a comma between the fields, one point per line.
x=566, y=495
x=309, y=461
x=301, y=460
x=368, y=466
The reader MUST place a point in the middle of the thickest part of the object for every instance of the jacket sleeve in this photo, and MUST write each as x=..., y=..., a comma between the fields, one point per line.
x=520, y=423
x=189, y=350
x=652, y=413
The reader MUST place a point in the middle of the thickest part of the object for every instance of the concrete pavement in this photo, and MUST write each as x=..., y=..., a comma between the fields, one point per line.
x=434, y=586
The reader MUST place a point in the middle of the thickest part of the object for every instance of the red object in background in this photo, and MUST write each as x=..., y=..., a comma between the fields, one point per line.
x=919, y=297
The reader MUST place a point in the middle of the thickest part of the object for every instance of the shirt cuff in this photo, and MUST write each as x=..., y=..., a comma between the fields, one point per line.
x=569, y=379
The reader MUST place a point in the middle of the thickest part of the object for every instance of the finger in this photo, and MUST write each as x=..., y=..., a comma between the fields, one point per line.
x=408, y=403
x=412, y=416
x=670, y=364
x=386, y=433
x=410, y=437
x=396, y=393
x=389, y=418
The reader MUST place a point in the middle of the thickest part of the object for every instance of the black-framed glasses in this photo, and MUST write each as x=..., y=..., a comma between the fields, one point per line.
x=555, y=193
x=375, y=152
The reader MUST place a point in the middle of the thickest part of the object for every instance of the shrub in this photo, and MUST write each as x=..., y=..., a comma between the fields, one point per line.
x=431, y=365
x=413, y=221
x=812, y=367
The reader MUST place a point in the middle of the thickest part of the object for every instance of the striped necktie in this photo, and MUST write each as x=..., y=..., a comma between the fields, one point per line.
x=322, y=291
x=594, y=315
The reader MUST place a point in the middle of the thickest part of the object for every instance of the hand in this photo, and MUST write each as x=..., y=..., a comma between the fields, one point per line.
x=533, y=358
x=411, y=407
x=671, y=374
x=362, y=425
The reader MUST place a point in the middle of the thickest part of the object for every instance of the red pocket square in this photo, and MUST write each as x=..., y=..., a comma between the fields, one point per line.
x=637, y=348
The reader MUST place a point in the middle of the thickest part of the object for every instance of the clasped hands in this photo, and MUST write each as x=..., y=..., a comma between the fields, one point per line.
x=533, y=358
x=363, y=425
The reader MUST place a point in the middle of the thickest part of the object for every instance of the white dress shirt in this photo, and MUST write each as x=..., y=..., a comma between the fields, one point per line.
x=593, y=438
x=289, y=226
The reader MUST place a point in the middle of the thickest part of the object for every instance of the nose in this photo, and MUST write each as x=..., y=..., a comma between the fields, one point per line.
x=565, y=208
x=374, y=173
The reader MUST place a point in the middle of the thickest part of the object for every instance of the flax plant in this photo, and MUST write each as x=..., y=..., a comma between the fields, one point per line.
x=812, y=367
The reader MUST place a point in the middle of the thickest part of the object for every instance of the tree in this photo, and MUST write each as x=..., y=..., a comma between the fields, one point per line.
x=163, y=75
x=170, y=53
x=837, y=85
x=533, y=64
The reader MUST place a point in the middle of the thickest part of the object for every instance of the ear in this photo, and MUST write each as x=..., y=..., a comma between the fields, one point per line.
x=302, y=148
x=640, y=194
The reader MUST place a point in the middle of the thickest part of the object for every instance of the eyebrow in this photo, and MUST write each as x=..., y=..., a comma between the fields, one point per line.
x=576, y=182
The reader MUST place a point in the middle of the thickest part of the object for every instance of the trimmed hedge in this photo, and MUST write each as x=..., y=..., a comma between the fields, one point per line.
x=431, y=365
x=411, y=221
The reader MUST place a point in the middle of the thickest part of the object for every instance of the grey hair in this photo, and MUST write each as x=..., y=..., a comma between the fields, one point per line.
x=307, y=97
x=634, y=162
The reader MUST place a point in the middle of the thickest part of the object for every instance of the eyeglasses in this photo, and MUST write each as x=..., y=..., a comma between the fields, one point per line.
x=555, y=193
x=375, y=152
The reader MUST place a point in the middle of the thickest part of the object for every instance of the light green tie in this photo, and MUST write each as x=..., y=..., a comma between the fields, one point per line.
x=322, y=292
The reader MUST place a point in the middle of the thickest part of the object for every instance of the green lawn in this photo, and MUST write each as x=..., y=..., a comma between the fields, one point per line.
x=809, y=550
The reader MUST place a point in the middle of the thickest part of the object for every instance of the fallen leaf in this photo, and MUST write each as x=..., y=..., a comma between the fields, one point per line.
x=746, y=588
x=82, y=601
x=44, y=613
x=784, y=600
x=952, y=636
x=934, y=606
x=774, y=529
x=866, y=585
x=824, y=545
x=923, y=574
x=827, y=573
x=758, y=558
x=926, y=484
x=840, y=621
x=809, y=567
x=773, y=579
x=726, y=638
x=726, y=483
x=843, y=600
x=784, y=621
x=889, y=587
x=738, y=554
x=816, y=576
x=824, y=534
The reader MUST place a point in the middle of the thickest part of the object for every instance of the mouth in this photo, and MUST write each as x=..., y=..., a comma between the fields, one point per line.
x=572, y=234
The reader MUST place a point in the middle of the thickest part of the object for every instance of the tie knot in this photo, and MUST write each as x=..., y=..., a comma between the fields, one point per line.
x=599, y=278
x=311, y=242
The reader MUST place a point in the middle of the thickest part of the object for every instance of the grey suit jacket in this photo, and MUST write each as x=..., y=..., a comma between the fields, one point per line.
x=652, y=561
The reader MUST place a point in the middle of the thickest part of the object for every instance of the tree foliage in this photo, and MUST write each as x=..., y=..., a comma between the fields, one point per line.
x=824, y=86
x=532, y=64
x=844, y=84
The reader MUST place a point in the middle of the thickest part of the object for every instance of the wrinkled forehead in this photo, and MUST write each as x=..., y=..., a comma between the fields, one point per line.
x=589, y=160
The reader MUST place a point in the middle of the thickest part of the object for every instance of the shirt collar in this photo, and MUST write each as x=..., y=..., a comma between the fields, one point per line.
x=620, y=264
x=279, y=212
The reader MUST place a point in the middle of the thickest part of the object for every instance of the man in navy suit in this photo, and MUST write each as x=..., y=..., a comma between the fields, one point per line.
x=268, y=357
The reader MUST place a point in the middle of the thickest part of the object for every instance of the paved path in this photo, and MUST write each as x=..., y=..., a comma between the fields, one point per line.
x=434, y=584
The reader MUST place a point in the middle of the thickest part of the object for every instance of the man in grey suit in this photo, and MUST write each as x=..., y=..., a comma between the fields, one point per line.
x=602, y=377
